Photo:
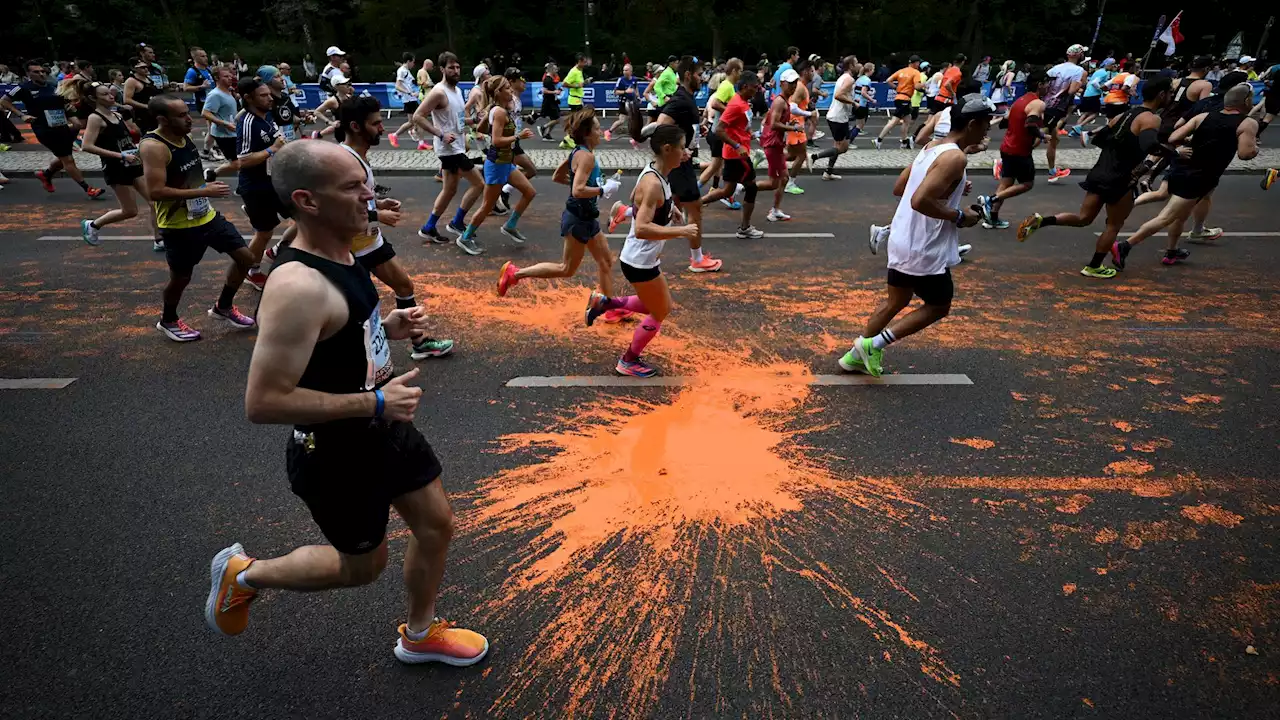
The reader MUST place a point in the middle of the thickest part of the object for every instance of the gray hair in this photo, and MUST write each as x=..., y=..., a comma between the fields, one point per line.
x=1240, y=96
x=302, y=166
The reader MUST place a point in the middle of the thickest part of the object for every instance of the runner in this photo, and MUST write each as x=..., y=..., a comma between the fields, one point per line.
x=814, y=85
x=1091, y=99
x=796, y=139
x=716, y=103
x=138, y=91
x=522, y=159
x=337, y=56
x=360, y=128
x=220, y=109
x=550, y=101
x=1120, y=90
x=575, y=82
x=321, y=363
x=188, y=223
x=847, y=104
x=258, y=139
x=734, y=132
x=625, y=91
x=499, y=164
x=579, y=224
x=442, y=116
x=407, y=90
x=327, y=111
x=284, y=111
x=951, y=79
x=108, y=136
x=46, y=113
x=1216, y=138
x=777, y=126
x=199, y=80
x=923, y=240
x=1125, y=142
x=1270, y=103
x=665, y=86
x=1065, y=80
x=641, y=256
x=1024, y=131
x=905, y=83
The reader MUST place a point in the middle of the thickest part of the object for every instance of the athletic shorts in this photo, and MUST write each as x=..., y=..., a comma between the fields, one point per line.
x=861, y=112
x=580, y=229
x=716, y=145
x=226, y=146
x=637, y=275
x=115, y=172
x=1091, y=104
x=901, y=108
x=1019, y=168
x=1190, y=187
x=839, y=130
x=936, y=106
x=57, y=140
x=684, y=182
x=738, y=171
x=1110, y=191
x=377, y=256
x=496, y=173
x=516, y=150
x=264, y=208
x=777, y=162
x=1271, y=104
x=410, y=107
x=458, y=163
x=915, y=111
x=1112, y=110
x=184, y=247
x=932, y=289
x=1053, y=116
x=551, y=109
x=349, y=474
x=796, y=137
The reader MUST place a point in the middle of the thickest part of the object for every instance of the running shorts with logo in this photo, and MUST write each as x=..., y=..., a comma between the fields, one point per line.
x=457, y=163
x=1019, y=168
x=184, y=247
x=932, y=289
x=349, y=474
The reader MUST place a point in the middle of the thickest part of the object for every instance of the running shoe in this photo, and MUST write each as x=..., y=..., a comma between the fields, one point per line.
x=850, y=362
x=758, y=158
x=232, y=316
x=749, y=233
x=776, y=215
x=818, y=134
x=996, y=168
x=567, y=143
x=394, y=139
x=1098, y=272
x=468, y=245
x=1269, y=178
x=635, y=368
x=423, y=146
x=507, y=278
x=706, y=264
x=595, y=307
x=1208, y=234
x=871, y=356
x=1084, y=138
x=45, y=181
x=227, y=608
x=89, y=233
x=616, y=316
x=456, y=228
x=443, y=643
x=879, y=234
x=256, y=279
x=94, y=192
x=432, y=235
x=157, y=245
x=617, y=215
x=207, y=155
x=499, y=210
x=272, y=251
x=3, y=148
x=910, y=144
x=211, y=175
x=985, y=210
x=831, y=176
x=514, y=233
x=964, y=249
x=793, y=189
x=997, y=225
x=608, y=136
x=729, y=203
x=1120, y=252
x=1173, y=257
x=1144, y=186
x=178, y=331
x=504, y=199
x=634, y=145
x=1028, y=226
x=381, y=192
x=431, y=348
x=1056, y=174
x=438, y=177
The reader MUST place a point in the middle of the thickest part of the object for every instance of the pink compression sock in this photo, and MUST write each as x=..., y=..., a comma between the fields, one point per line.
x=631, y=303
x=647, y=331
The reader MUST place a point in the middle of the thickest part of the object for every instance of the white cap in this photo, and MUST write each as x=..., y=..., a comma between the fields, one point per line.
x=1077, y=49
x=338, y=78
x=479, y=71
x=1246, y=59
x=789, y=76
x=335, y=50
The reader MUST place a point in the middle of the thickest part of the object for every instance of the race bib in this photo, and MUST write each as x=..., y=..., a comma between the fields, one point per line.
x=287, y=131
x=197, y=207
x=55, y=118
x=377, y=352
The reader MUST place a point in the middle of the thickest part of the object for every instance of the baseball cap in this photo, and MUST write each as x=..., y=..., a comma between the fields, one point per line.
x=267, y=72
x=913, y=58
x=1246, y=59
x=1077, y=49
x=975, y=105
x=338, y=78
x=789, y=76
x=815, y=57
x=1109, y=61
x=924, y=64
x=479, y=71
x=335, y=50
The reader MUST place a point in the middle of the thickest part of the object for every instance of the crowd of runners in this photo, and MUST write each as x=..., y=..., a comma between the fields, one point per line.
x=322, y=360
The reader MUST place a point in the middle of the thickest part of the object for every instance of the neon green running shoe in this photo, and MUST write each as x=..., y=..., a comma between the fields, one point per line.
x=850, y=362
x=1098, y=272
x=871, y=356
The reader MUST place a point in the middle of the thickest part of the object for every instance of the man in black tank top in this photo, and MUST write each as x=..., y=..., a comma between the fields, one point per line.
x=322, y=363
x=1215, y=139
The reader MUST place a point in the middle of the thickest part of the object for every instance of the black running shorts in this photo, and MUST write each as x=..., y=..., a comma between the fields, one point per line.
x=636, y=275
x=226, y=146
x=1110, y=190
x=901, y=108
x=184, y=247
x=385, y=252
x=738, y=171
x=459, y=163
x=1018, y=168
x=1113, y=110
x=932, y=289
x=264, y=208
x=839, y=130
x=684, y=182
x=1091, y=104
x=1191, y=187
x=410, y=107
x=348, y=476
x=57, y=140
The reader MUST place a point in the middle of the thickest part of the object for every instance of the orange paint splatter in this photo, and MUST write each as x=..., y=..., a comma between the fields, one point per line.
x=1128, y=467
x=1122, y=426
x=1068, y=588
x=1087, y=701
x=975, y=443
x=1074, y=504
x=1201, y=398
x=1207, y=514
x=1106, y=536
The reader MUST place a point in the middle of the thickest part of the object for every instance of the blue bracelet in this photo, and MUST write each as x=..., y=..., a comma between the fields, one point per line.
x=381, y=403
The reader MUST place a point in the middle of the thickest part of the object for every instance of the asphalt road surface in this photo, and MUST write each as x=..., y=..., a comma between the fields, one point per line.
x=1087, y=529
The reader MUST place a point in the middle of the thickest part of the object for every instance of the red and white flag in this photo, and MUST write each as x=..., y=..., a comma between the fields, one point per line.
x=1172, y=35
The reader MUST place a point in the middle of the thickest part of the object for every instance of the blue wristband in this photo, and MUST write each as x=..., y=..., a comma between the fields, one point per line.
x=381, y=403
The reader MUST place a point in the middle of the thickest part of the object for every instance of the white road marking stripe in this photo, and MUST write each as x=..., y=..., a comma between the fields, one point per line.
x=1186, y=236
x=541, y=381
x=1176, y=329
x=35, y=383
x=125, y=237
x=767, y=235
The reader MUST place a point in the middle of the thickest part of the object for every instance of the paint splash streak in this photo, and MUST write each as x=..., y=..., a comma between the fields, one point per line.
x=975, y=443
x=1209, y=514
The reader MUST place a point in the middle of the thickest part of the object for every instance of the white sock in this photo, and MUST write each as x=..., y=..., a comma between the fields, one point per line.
x=244, y=584
x=696, y=254
x=881, y=341
x=416, y=635
x=507, y=188
x=630, y=211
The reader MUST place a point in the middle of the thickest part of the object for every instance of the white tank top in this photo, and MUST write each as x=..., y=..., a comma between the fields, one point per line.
x=647, y=253
x=942, y=128
x=371, y=238
x=449, y=119
x=918, y=244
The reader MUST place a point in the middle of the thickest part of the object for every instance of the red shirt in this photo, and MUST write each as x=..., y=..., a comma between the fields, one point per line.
x=1017, y=139
x=770, y=137
x=951, y=77
x=734, y=122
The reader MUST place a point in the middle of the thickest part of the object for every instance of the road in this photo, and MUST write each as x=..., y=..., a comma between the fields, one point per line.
x=1086, y=530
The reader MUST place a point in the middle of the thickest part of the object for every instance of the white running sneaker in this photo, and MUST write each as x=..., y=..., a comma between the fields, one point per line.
x=750, y=233
x=879, y=234
x=776, y=215
x=964, y=249
x=831, y=176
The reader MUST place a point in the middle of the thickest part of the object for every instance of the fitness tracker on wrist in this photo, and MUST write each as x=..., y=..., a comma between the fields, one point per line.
x=380, y=403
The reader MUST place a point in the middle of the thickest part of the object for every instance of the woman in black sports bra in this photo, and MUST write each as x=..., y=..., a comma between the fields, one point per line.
x=109, y=136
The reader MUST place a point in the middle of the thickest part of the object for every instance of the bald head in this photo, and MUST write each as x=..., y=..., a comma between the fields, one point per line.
x=306, y=166
x=324, y=186
x=1239, y=97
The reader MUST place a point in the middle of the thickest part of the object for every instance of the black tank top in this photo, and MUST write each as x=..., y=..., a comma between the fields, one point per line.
x=144, y=118
x=1121, y=153
x=1213, y=145
x=357, y=358
x=114, y=136
x=1178, y=107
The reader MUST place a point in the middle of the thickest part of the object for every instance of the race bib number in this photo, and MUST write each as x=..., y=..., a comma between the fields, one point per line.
x=55, y=118
x=377, y=352
x=287, y=131
x=197, y=207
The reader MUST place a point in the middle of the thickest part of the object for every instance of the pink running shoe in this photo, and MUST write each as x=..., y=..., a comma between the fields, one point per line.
x=232, y=316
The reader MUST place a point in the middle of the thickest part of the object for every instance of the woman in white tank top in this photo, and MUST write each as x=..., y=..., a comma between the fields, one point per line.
x=641, y=255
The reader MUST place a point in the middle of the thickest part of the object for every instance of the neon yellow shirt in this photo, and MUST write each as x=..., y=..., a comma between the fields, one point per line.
x=919, y=96
x=724, y=93
x=574, y=78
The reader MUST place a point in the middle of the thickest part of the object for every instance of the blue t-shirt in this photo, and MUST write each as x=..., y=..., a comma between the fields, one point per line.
x=194, y=77
x=861, y=82
x=223, y=105
x=625, y=84
x=1097, y=81
x=778, y=73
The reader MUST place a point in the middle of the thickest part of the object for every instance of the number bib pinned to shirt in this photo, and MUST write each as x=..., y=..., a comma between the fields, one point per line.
x=55, y=118
x=377, y=351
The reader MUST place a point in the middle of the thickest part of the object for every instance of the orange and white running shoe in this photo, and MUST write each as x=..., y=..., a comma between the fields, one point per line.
x=706, y=264
x=442, y=643
x=617, y=215
x=227, y=609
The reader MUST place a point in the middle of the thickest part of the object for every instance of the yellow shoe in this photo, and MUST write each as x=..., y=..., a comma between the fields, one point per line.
x=443, y=643
x=227, y=609
x=1269, y=178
